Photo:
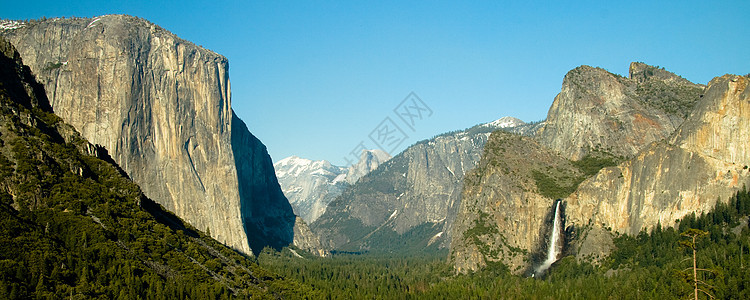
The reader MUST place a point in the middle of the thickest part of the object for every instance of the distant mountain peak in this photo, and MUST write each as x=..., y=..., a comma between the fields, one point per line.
x=505, y=122
x=311, y=184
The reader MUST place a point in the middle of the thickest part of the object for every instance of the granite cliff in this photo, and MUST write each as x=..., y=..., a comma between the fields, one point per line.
x=161, y=106
x=506, y=203
x=600, y=111
x=704, y=161
x=598, y=121
x=69, y=214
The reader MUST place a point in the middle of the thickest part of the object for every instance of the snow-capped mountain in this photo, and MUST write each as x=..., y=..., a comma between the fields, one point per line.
x=505, y=122
x=310, y=185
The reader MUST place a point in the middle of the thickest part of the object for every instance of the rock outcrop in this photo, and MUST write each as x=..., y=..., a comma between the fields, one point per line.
x=162, y=107
x=503, y=209
x=306, y=240
x=600, y=111
x=705, y=160
x=369, y=160
x=408, y=203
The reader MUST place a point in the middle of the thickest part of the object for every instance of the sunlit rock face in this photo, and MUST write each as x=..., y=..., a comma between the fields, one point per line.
x=162, y=107
x=598, y=110
x=704, y=160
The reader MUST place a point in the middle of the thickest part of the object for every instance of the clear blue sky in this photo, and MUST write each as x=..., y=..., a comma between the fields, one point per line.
x=314, y=79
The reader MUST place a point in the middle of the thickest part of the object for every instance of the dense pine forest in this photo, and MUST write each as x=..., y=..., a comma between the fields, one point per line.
x=649, y=265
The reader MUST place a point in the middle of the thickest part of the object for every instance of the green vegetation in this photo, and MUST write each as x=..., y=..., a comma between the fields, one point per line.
x=649, y=265
x=679, y=100
x=73, y=226
x=52, y=66
x=553, y=188
x=557, y=184
x=595, y=161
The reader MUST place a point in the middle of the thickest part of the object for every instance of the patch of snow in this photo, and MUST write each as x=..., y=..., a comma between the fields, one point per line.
x=11, y=24
x=434, y=238
x=393, y=215
x=505, y=122
x=449, y=170
x=91, y=24
x=340, y=178
x=295, y=253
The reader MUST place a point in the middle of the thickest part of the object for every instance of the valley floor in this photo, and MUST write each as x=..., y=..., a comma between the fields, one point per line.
x=650, y=265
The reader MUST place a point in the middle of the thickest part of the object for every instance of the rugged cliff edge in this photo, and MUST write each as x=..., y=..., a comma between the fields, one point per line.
x=162, y=107
x=705, y=160
x=600, y=111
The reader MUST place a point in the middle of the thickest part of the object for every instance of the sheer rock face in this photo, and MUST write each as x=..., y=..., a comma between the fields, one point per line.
x=162, y=107
x=503, y=215
x=597, y=110
x=704, y=160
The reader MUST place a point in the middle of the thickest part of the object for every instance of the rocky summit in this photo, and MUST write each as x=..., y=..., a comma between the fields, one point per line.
x=600, y=111
x=162, y=108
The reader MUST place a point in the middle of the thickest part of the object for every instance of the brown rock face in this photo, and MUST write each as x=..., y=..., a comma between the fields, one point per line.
x=598, y=110
x=162, y=107
x=503, y=213
x=703, y=161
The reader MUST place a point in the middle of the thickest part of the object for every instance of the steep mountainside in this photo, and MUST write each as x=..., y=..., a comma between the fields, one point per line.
x=506, y=201
x=311, y=185
x=664, y=180
x=72, y=225
x=705, y=160
x=598, y=110
x=408, y=203
x=162, y=107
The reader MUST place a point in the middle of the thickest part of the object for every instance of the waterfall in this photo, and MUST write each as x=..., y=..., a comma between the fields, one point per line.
x=554, y=246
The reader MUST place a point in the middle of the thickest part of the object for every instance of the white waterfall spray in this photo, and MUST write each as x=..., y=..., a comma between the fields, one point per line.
x=554, y=246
